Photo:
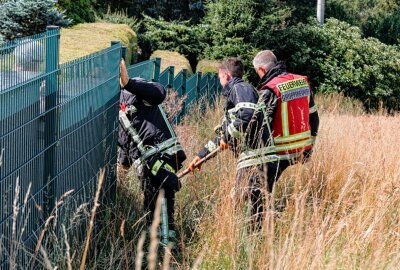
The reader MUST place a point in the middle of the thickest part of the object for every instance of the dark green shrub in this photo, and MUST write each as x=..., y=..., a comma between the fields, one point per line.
x=21, y=18
x=237, y=28
x=389, y=32
x=119, y=17
x=337, y=59
x=376, y=18
x=179, y=36
x=79, y=11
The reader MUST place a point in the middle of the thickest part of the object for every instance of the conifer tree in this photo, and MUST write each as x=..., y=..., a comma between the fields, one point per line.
x=19, y=18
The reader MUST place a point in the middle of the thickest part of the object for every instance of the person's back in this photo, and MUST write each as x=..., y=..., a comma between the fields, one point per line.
x=283, y=124
x=149, y=120
x=289, y=105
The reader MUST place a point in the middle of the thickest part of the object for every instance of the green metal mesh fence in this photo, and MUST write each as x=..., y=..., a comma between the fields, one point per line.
x=58, y=127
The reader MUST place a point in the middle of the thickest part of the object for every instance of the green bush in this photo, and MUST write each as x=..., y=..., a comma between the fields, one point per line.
x=119, y=17
x=389, y=32
x=231, y=24
x=337, y=59
x=237, y=28
x=181, y=37
x=20, y=18
x=376, y=18
x=79, y=11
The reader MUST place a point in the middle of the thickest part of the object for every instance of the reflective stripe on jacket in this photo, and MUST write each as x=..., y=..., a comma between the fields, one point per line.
x=286, y=120
x=290, y=126
x=240, y=104
x=144, y=128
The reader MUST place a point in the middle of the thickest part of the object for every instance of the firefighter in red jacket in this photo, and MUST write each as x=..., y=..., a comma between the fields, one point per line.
x=287, y=123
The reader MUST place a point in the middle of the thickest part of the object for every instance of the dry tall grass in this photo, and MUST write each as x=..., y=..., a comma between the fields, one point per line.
x=340, y=211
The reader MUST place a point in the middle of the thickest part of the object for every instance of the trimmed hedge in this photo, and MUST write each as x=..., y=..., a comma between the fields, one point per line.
x=84, y=39
x=175, y=59
x=205, y=66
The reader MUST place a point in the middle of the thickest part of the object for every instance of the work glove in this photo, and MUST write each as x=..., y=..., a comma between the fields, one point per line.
x=218, y=129
x=223, y=145
x=193, y=163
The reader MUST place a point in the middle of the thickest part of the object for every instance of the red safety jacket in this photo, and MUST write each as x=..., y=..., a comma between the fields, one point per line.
x=286, y=120
x=290, y=127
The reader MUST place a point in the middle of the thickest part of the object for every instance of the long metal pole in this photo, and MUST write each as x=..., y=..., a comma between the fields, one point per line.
x=321, y=11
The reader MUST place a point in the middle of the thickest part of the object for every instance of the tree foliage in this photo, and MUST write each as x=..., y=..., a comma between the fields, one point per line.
x=171, y=10
x=376, y=18
x=336, y=56
x=337, y=59
x=19, y=18
x=119, y=17
x=237, y=28
x=179, y=36
x=79, y=11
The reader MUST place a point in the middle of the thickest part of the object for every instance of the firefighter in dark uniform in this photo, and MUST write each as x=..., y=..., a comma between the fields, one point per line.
x=286, y=124
x=241, y=101
x=148, y=142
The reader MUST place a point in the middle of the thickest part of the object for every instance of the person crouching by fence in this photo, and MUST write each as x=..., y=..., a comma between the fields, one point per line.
x=149, y=144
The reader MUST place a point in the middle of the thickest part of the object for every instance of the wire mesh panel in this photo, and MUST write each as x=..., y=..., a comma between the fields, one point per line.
x=166, y=77
x=27, y=70
x=149, y=70
x=204, y=84
x=180, y=86
x=180, y=82
x=23, y=59
x=192, y=89
x=87, y=108
x=212, y=88
x=58, y=127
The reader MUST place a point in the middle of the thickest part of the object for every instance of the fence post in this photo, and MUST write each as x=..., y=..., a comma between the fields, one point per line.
x=157, y=66
x=182, y=94
x=123, y=50
x=111, y=195
x=216, y=85
x=51, y=115
x=198, y=85
x=171, y=71
x=207, y=83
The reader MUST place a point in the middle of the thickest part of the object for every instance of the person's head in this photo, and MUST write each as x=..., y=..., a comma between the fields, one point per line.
x=230, y=68
x=28, y=55
x=263, y=62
